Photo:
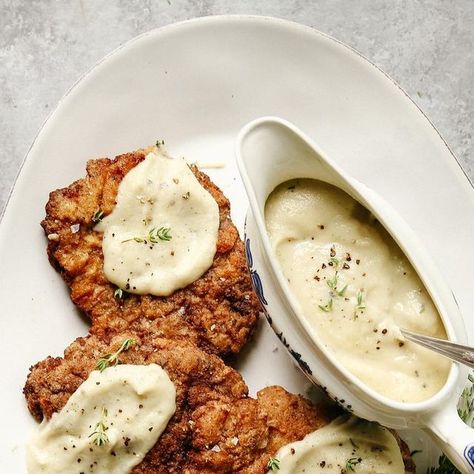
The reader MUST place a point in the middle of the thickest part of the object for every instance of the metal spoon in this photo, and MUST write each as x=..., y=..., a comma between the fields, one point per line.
x=457, y=352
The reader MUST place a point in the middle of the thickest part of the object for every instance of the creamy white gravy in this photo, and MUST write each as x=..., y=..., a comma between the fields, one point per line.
x=346, y=442
x=356, y=288
x=162, y=233
x=134, y=404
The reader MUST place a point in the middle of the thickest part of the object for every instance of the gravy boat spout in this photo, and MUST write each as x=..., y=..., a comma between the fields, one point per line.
x=271, y=151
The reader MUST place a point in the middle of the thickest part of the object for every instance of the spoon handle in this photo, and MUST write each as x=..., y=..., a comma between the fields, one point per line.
x=457, y=352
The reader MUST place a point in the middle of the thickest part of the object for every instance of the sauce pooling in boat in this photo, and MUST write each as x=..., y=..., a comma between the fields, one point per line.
x=356, y=288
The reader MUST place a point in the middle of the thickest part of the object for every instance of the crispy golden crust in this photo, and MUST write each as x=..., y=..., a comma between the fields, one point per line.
x=249, y=431
x=212, y=406
x=53, y=380
x=218, y=311
x=216, y=427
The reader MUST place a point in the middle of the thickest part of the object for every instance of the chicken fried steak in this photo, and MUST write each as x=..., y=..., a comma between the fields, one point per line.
x=216, y=428
x=218, y=310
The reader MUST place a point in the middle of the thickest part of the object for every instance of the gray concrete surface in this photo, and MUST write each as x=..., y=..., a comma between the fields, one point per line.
x=45, y=45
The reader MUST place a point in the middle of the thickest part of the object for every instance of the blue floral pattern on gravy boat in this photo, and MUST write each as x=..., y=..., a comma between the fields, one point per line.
x=256, y=280
x=304, y=366
x=469, y=454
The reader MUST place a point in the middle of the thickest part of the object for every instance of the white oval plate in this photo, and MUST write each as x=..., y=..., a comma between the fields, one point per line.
x=195, y=84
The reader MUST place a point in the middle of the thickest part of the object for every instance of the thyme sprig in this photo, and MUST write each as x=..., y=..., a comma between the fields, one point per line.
x=99, y=435
x=352, y=462
x=334, y=292
x=327, y=307
x=118, y=293
x=98, y=216
x=154, y=236
x=342, y=292
x=360, y=304
x=332, y=282
x=112, y=358
x=273, y=464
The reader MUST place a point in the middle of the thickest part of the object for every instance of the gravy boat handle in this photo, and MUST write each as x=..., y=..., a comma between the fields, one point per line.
x=453, y=436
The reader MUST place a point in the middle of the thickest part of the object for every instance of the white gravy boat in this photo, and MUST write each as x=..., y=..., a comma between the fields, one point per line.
x=271, y=151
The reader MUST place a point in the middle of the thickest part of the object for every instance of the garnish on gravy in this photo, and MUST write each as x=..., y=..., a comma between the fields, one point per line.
x=154, y=236
x=98, y=216
x=356, y=288
x=162, y=233
x=273, y=464
x=99, y=435
x=108, y=424
x=347, y=444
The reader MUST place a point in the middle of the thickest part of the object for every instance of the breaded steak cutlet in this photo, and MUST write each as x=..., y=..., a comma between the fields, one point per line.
x=216, y=428
x=218, y=311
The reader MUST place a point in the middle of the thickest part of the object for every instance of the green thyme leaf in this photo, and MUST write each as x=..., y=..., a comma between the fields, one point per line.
x=163, y=233
x=342, y=292
x=99, y=436
x=332, y=282
x=112, y=358
x=352, y=462
x=327, y=307
x=154, y=236
x=136, y=239
x=360, y=304
x=273, y=464
x=126, y=345
x=98, y=216
x=118, y=293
